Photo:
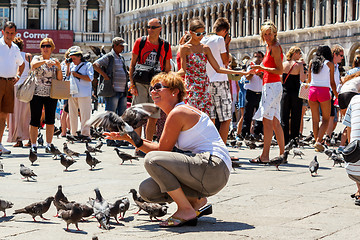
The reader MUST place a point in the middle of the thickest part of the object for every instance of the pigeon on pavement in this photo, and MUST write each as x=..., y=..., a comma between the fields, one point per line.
x=99, y=144
x=4, y=204
x=282, y=159
x=124, y=206
x=92, y=149
x=1, y=167
x=40, y=139
x=314, y=166
x=337, y=158
x=297, y=152
x=137, y=199
x=70, y=152
x=90, y=160
x=32, y=156
x=72, y=216
x=125, y=156
x=132, y=118
x=101, y=210
x=27, y=172
x=66, y=162
x=37, y=209
x=59, y=196
x=115, y=209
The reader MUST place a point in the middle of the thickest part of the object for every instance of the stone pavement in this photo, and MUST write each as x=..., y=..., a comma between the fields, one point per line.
x=259, y=202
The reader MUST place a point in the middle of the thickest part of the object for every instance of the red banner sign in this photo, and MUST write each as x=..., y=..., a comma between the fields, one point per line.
x=32, y=37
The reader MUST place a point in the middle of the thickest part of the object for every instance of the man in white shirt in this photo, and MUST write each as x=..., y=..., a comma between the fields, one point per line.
x=11, y=67
x=219, y=83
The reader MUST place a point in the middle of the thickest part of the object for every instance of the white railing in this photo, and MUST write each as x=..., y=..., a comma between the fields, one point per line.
x=93, y=37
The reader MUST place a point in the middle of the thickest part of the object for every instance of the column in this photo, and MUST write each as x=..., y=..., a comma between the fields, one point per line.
x=233, y=22
x=207, y=19
x=339, y=9
x=12, y=12
x=289, y=18
x=308, y=12
x=298, y=14
x=272, y=11
x=178, y=31
x=173, y=31
x=213, y=18
x=42, y=16
x=241, y=15
x=264, y=7
x=281, y=26
x=350, y=11
x=256, y=16
x=248, y=19
x=318, y=13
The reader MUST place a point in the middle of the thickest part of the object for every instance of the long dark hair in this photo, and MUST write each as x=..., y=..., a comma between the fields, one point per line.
x=323, y=53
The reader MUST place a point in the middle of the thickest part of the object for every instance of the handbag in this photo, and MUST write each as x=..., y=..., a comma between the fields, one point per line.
x=73, y=87
x=304, y=91
x=60, y=89
x=351, y=152
x=25, y=91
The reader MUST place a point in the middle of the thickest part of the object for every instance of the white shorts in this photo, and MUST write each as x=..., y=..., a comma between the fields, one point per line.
x=270, y=102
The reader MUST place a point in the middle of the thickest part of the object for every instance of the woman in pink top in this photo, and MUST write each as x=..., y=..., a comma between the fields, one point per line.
x=269, y=109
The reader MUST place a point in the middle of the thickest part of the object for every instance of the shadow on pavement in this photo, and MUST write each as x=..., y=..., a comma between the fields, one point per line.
x=75, y=231
x=6, y=219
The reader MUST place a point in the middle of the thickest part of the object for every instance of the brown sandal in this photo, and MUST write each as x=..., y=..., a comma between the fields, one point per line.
x=18, y=144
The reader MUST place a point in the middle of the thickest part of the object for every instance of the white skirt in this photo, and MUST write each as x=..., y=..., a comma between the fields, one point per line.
x=270, y=102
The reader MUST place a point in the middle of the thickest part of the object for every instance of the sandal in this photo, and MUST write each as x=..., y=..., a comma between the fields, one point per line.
x=18, y=144
x=257, y=160
x=178, y=222
x=206, y=210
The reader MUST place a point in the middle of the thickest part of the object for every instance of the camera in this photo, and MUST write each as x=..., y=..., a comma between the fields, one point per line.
x=68, y=60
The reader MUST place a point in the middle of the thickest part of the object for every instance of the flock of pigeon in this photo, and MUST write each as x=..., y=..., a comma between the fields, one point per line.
x=73, y=212
x=295, y=146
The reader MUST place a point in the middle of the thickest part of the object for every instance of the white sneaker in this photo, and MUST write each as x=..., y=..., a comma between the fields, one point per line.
x=4, y=150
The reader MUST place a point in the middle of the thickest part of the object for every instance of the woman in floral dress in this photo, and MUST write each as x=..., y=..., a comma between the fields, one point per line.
x=194, y=56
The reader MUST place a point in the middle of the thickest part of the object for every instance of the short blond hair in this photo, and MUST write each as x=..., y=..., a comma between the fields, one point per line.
x=50, y=41
x=292, y=50
x=268, y=24
x=337, y=49
x=173, y=81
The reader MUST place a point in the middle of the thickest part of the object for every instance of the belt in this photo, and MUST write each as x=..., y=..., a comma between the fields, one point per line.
x=10, y=79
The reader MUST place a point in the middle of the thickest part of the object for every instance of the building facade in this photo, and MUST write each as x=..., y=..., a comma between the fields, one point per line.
x=304, y=23
x=90, y=20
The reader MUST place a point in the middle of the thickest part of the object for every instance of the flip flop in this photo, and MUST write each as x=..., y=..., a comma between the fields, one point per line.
x=178, y=222
x=257, y=160
x=206, y=210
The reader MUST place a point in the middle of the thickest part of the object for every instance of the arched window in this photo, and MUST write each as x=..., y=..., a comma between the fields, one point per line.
x=4, y=12
x=92, y=16
x=33, y=21
x=63, y=15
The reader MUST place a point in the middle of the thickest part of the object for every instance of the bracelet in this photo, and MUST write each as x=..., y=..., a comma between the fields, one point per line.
x=18, y=76
x=140, y=143
x=131, y=87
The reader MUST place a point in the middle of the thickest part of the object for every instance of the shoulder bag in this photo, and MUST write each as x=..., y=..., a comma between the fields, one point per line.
x=59, y=89
x=25, y=91
x=105, y=87
x=304, y=91
x=351, y=152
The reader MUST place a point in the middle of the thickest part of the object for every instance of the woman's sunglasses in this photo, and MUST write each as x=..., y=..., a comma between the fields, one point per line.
x=157, y=87
x=45, y=46
x=152, y=27
x=198, y=34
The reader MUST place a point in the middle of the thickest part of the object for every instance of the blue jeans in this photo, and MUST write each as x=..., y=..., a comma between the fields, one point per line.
x=116, y=103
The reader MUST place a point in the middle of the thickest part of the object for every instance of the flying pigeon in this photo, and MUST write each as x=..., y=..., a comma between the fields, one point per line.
x=70, y=152
x=90, y=160
x=314, y=166
x=132, y=118
x=125, y=156
x=66, y=162
x=37, y=209
x=297, y=152
x=5, y=205
x=101, y=210
x=27, y=172
x=72, y=216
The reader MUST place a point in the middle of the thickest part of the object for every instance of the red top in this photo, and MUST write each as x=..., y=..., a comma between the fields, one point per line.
x=269, y=61
x=149, y=52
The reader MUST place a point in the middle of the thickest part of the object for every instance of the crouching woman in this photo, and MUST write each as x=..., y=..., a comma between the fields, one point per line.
x=186, y=179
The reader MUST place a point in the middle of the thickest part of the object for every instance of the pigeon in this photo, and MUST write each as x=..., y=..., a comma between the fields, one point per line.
x=232, y=143
x=337, y=158
x=124, y=206
x=155, y=210
x=309, y=137
x=101, y=210
x=37, y=209
x=314, y=166
x=57, y=131
x=5, y=205
x=66, y=162
x=125, y=156
x=238, y=144
x=86, y=210
x=32, y=157
x=70, y=152
x=72, y=216
x=99, y=144
x=90, y=160
x=1, y=167
x=133, y=117
x=70, y=138
x=329, y=152
x=59, y=196
x=279, y=160
x=250, y=144
x=235, y=164
x=54, y=151
x=301, y=143
x=290, y=145
x=27, y=172
x=137, y=199
x=92, y=149
x=40, y=139
x=297, y=152
x=115, y=209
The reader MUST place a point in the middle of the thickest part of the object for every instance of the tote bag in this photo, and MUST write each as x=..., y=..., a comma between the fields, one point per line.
x=60, y=89
x=304, y=91
x=25, y=91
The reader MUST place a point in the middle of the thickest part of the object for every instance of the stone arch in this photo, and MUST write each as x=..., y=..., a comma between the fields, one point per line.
x=191, y=15
x=221, y=12
x=310, y=54
x=197, y=13
x=354, y=49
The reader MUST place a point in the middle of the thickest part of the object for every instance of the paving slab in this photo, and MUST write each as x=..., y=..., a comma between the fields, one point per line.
x=259, y=202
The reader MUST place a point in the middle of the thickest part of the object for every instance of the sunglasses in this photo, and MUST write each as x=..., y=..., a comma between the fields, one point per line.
x=45, y=46
x=198, y=34
x=341, y=55
x=157, y=87
x=152, y=27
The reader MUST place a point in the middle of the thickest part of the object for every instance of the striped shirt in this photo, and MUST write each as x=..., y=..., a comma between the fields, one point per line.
x=352, y=119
